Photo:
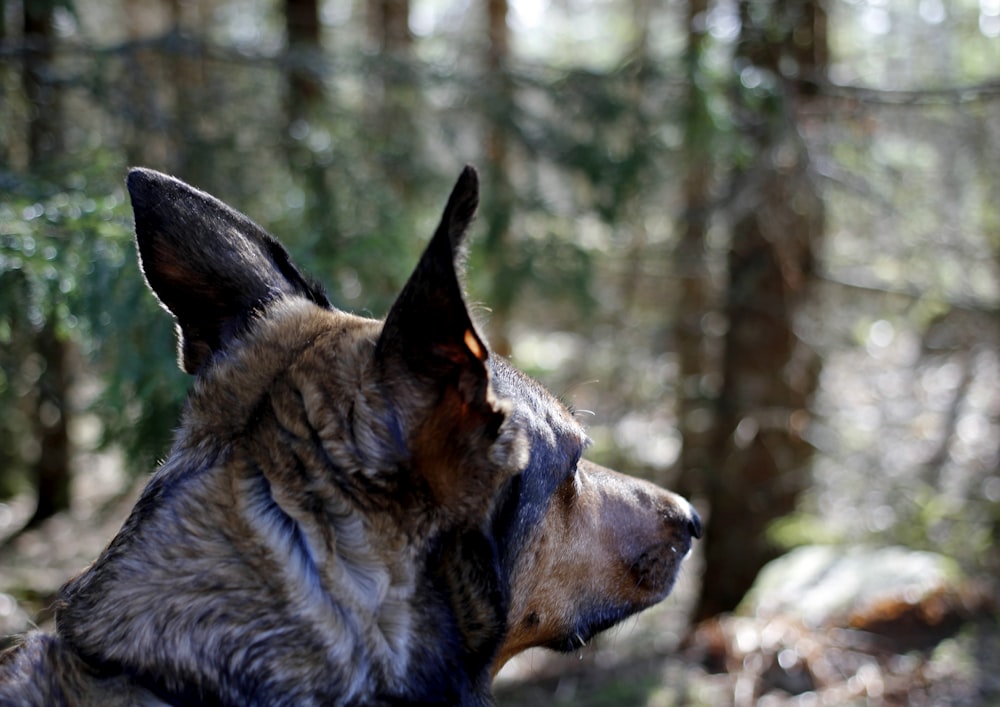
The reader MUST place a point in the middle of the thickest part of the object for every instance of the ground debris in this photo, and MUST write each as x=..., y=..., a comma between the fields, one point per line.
x=781, y=662
x=884, y=626
x=878, y=627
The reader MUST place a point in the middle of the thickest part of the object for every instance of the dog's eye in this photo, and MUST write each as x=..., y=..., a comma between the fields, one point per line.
x=573, y=456
x=578, y=457
x=574, y=467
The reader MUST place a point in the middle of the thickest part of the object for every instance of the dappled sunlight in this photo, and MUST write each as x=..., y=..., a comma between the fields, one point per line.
x=752, y=247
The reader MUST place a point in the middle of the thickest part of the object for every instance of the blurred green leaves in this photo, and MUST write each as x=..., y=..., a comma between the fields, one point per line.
x=67, y=262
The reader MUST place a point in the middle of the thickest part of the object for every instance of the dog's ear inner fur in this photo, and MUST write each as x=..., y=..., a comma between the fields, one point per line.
x=434, y=362
x=429, y=328
x=209, y=265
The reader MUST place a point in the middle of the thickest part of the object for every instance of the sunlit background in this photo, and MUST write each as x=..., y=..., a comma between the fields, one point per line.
x=754, y=244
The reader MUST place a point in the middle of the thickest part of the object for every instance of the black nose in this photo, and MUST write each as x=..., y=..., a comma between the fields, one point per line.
x=694, y=525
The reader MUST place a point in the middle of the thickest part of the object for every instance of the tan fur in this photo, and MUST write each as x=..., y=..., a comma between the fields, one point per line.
x=354, y=512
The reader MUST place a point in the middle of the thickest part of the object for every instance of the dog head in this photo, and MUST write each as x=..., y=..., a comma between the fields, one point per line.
x=397, y=471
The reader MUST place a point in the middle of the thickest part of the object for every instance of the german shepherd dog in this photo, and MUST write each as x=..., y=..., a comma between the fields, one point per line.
x=354, y=512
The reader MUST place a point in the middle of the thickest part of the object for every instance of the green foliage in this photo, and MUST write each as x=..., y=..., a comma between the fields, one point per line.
x=550, y=268
x=603, y=127
x=800, y=529
x=358, y=230
x=67, y=260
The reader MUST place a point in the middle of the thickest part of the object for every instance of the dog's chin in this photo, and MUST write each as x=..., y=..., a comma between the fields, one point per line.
x=600, y=619
x=590, y=626
x=654, y=573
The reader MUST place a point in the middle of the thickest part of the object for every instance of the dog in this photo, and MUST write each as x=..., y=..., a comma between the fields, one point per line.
x=353, y=512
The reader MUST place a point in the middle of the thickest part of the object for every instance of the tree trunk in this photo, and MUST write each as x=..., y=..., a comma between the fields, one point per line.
x=305, y=98
x=761, y=458
x=392, y=92
x=389, y=25
x=498, y=198
x=42, y=97
x=302, y=28
x=4, y=146
x=51, y=428
x=187, y=80
x=693, y=345
x=51, y=471
x=141, y=80
x=635, y=125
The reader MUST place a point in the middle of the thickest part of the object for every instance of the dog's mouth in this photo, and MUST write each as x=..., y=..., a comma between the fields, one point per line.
x=589, y=625
x=655, y=570
x=651, y=578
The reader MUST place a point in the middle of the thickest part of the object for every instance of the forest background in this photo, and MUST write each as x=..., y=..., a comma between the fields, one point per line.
x=759, y=239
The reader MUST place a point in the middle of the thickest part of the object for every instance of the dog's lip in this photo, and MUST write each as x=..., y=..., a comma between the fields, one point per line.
x=657, y=566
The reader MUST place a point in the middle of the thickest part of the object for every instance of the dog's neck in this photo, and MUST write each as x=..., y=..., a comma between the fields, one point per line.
x=232, y=539
x=175, y=598
x=257, y=559
x=200, y=614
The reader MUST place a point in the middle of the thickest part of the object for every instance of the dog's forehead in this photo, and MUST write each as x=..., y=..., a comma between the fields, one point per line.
x=535, y=406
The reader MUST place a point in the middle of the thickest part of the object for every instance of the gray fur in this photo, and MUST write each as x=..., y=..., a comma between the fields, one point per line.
x=351, y=513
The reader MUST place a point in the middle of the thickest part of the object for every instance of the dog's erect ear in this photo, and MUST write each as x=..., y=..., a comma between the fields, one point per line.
x=210, y=266
x=434, y=364
x=429, y=328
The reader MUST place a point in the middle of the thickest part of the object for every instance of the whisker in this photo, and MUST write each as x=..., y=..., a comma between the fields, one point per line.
x=564, y=396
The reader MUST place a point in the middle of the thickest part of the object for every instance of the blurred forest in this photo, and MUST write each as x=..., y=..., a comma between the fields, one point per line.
x=759, y=239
